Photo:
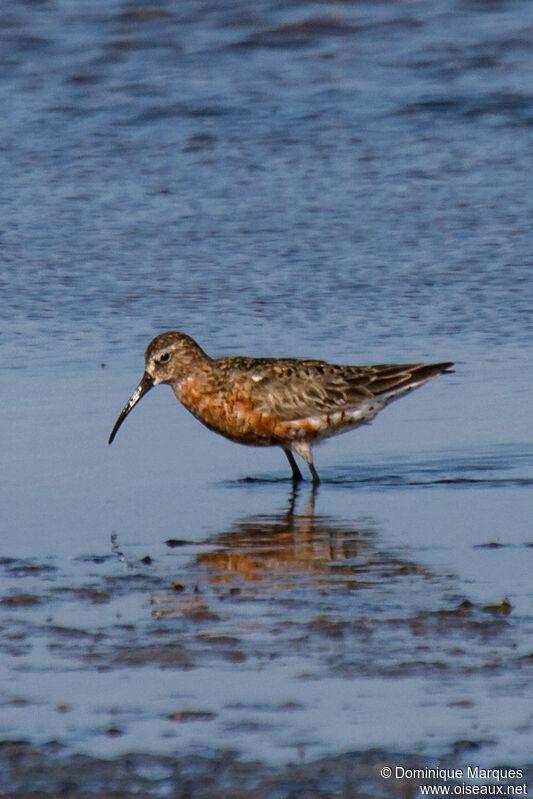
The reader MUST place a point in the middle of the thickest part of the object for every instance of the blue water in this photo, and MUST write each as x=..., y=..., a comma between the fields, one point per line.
x=346, y=181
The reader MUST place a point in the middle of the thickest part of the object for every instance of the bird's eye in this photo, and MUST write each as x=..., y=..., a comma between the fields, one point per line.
x=165, y=357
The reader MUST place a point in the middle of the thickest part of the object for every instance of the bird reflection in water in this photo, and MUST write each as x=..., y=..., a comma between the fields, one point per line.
x=287, y=547
x=279, y=555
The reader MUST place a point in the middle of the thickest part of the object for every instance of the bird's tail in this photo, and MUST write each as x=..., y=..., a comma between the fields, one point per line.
x=394, y=384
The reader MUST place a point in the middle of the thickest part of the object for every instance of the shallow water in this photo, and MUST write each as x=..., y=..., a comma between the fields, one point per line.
x=346, y=181
x=173, y=591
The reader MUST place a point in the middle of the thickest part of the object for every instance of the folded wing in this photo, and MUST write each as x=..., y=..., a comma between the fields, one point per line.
x=299, y=389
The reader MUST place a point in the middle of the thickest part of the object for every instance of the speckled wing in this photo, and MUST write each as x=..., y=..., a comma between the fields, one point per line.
x=295, y=389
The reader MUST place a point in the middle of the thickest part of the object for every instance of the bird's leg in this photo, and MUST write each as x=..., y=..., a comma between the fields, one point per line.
x=314, y=473
x=296, y=473
x=303, y=448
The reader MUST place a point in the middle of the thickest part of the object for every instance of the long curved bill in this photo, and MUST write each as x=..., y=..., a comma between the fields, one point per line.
x=147, y=382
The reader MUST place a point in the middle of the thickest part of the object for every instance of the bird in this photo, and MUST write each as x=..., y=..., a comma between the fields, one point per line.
x=287, y=402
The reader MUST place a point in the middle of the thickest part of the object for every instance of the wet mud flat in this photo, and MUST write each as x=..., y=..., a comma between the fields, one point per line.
x=27, y=772
x=294, y=653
